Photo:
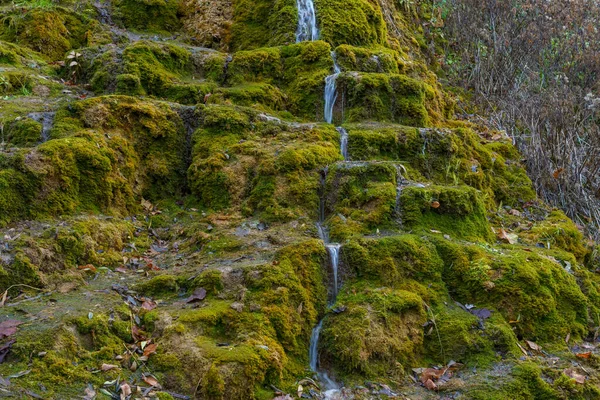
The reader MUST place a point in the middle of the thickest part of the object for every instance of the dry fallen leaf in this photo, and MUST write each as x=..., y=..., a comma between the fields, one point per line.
x=108, y=367
x=584, y=355
x=558, y=172
x=533, y=346
x=125, y=390
x=88, y=267
x=149, y=305
x=571, y=373
x=198, y=295
x=150, y=349
x=8, y=328
x=147, y=205
x=150, y=380
x=432, y=374
x=429, y=384
x=89, y=393
x=509, y=238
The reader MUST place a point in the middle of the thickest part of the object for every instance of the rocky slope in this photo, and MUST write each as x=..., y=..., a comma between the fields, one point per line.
x=173, y=206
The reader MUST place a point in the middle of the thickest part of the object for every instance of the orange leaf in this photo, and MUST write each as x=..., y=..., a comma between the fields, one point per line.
x=429, y=384
x=558, y=172
x=584, y=355
x=88, y=267
x=150, y=349
x=432, y=374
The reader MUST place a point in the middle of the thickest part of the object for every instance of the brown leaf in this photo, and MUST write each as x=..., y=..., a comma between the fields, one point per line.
x=507, y=237
x=90, y=393
x=137, y=333
x=122, y=270
x=150, y=349
x=571, y=373
x=88, y=267
x=108, y=367
x=429, y=384
x=533, y=346
x=198, y=295
x=125, y=389
x=8, y=328
x=149, y=305
x=432, y=374
x=515, y=212
x=150, y=380
x=558, y=172
x=584, y=355
x=147, y=205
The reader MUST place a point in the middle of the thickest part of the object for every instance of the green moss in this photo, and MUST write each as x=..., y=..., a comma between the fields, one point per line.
x=214, y=385
x=209, y=280
x=457, y=211
x=534, y=292
x=354, y=22
x=364, y=194
x=159, y=285
x=25, y=132
x=298, y=70
x=557, y=231
x=395, y=260
x=263, y=23
x=150, y=15
x=384, y=97
x=128, y=84
x=51, y=32
x=378, y=336
x=378, y=60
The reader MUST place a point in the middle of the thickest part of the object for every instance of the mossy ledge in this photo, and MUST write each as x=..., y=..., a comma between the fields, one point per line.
x=163, y=165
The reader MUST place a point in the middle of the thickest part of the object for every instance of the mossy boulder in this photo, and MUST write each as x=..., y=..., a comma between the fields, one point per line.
x=149, y=15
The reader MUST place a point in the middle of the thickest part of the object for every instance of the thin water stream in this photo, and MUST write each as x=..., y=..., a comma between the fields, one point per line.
x=331, y=90
x=307, y=22
x=47, y=121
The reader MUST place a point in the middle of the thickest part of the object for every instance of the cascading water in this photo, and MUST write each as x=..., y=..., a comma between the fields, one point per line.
x=47, y=121
x=343, y=142
x=334, y=255
x=307, y=22
x=331, y=90
x=332, y=389
x=400, y=183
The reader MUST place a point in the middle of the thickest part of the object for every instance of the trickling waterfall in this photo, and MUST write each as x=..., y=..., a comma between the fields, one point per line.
x=331, y=90
x=47, y=121
x=307, y=22
x=343, y=142
x=333, y=249
x=401, y=183
x=334, y=255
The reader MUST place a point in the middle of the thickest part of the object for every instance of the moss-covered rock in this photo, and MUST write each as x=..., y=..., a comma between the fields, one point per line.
x=149, y=15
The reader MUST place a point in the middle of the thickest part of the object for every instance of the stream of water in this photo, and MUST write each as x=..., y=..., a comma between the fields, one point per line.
x=47, y=121
x=343, y=142
x=331, y=90
x=307, y=22
x=330, y=388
